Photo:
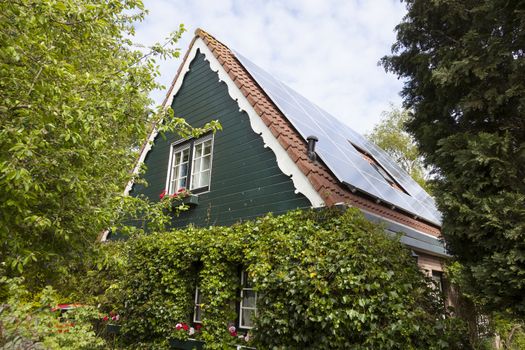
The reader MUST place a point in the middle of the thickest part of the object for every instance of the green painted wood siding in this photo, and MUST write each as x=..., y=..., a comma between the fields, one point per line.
x=246, y=181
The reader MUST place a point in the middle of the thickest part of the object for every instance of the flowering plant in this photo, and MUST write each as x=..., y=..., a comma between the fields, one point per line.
x=181, y=193
x=191, y=330
x=233, y=332
x=112, y=316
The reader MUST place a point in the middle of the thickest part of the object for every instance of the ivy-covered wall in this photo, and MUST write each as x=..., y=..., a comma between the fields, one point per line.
x=246, y=181
x=326, y=280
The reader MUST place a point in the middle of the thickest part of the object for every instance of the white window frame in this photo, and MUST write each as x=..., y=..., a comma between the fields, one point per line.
x=241, y=307
x=190, y=144
x=197, y=305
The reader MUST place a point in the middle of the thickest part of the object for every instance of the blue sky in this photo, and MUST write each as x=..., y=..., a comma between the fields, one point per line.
x=327, y=50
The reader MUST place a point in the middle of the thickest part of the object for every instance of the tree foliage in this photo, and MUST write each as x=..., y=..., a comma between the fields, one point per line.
x=74, y=110
x=464, y=63
x=325, y=279
x=390, y=135
x=29, y=322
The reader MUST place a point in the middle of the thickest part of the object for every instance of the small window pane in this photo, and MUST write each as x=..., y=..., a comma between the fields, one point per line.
x=205, y=179
x=197, y=165
x=249, y=298
x=184, y=169
x=207, y=147
x=206, y=162
x=437, y=277
x=197, y=312
x=195, y=183
x=186, y=154
x=247, y=318
x=198, y=151
x=246, y=282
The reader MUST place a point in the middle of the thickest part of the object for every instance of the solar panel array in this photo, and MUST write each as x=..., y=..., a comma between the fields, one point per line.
x=336, y=151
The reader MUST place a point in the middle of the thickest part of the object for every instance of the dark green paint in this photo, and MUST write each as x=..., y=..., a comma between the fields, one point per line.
x=246, y=181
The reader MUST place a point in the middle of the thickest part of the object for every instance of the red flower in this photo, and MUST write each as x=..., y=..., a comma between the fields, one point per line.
x=162, y=194
x=106, y=318
x=233, y=331
x=185, y=326
x=198, y=327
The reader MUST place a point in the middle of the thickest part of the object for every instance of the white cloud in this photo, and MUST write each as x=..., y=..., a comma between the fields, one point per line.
x=325, y=49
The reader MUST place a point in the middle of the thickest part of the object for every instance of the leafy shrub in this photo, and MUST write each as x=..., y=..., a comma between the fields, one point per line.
x=28, y=322
x=326, y=280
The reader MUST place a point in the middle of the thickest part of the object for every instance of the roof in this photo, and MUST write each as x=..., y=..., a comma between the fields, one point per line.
x=341, y=175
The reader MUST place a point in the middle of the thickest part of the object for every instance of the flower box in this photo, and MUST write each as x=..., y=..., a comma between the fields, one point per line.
x=190, y=344
x=190, y=200
x=113, y=328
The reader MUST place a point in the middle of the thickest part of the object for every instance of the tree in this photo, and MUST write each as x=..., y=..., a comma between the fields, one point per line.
x=74, y=111
x=391, y=136
x=464, y=64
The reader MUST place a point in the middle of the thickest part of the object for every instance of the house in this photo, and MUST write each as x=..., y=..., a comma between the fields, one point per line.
x=277, y=152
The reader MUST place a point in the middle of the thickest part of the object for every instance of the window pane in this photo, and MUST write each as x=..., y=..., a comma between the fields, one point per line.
x=175, y=173
x=206, y=162
x=198, y=151
x=205, y=179
x=197, y=317
x=248, y=298
x=184, y=169
x=207, y=147
x=186, y=154
x=246, y=282
x=195, y=181
x=196, y=165
x=247, y=318
x=182, y=183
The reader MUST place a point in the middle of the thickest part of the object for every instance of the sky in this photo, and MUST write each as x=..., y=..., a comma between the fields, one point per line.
x=327, y=50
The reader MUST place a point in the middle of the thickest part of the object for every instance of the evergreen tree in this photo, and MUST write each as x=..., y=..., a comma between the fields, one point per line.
x=464, y=66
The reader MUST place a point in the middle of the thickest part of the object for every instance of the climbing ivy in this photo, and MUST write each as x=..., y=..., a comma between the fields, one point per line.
x=326, y=279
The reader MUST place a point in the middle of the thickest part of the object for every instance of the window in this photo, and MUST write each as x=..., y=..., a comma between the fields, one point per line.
x=437, y=277
x=248, y=305
x=190, y=165
x=197, y=309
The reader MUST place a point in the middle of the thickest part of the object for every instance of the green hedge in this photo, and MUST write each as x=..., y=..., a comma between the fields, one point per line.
x=326, y=280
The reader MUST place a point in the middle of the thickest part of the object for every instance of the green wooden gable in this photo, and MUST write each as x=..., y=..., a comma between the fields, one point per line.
x=246, y=181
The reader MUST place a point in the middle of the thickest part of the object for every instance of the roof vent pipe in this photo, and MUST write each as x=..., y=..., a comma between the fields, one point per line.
x=311, y=148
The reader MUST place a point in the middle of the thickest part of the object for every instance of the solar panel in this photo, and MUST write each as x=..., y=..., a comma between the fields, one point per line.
x=335, y=149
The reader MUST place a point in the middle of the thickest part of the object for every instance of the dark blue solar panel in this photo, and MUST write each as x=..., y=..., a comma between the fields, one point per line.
x=336, y=151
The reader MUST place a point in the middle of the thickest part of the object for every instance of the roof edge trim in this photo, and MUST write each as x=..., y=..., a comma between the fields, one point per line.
x=284, y=162
x=286, y=165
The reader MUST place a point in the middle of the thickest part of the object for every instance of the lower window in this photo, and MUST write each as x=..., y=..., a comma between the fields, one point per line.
x=248, y=305
x=197, y=309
